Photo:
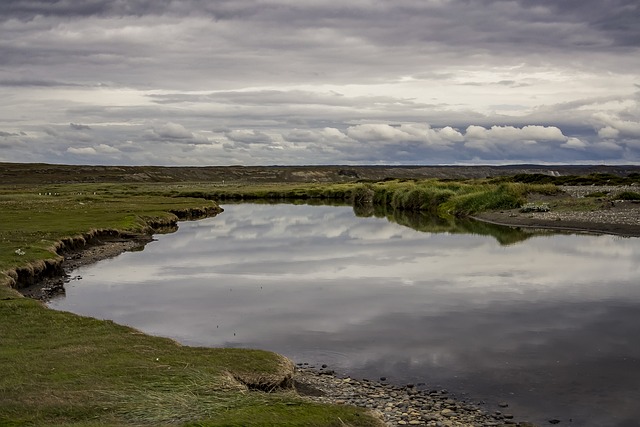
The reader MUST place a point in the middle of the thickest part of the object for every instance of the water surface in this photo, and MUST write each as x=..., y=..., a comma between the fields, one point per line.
x=548, y=324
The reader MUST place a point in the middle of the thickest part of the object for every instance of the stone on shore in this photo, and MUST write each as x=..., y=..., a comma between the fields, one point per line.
x=396, y=405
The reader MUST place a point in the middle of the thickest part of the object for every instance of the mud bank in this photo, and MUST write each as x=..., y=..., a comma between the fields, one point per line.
x=44, y=278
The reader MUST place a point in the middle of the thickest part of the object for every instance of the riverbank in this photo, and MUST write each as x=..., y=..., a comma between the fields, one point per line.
x=574, y=210
x=101, y=248
x=412, y=404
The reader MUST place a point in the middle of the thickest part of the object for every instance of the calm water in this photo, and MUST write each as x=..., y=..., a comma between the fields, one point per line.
x=549, y=323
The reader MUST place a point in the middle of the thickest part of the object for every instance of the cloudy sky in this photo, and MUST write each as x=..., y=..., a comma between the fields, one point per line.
x=256, y=82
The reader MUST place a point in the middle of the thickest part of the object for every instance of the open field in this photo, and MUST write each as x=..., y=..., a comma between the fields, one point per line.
x=21, y=173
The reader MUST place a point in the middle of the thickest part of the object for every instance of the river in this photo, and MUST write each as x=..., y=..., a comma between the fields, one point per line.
x=547, y=322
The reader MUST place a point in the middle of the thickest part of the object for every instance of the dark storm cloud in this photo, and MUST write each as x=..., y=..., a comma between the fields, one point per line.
x=7, y=134
x=34, y=83
x=283, y=41
x=27, y=9
x=77, y=126
x=588, y=24
x=618, y=19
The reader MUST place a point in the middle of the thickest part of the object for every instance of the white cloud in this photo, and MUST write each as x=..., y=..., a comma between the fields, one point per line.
x=411, y=132
x=176, y=132
x=378, y=132
x=575, y=143
x=173, y=131
x=608, y=132
x=327, y=135
x=615, y=126
x=246, y=136
x=107, y=149
x=511, y=133
x=93, y=151
x=450, y=134
x=85, y=151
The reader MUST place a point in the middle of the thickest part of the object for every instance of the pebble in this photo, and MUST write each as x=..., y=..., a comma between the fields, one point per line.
x=399, y=405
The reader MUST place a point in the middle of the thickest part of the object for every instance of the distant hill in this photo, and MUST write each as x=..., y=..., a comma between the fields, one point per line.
x=38, y=173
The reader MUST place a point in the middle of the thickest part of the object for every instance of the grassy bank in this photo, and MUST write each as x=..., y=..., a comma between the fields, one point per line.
x=66, y=370
x=444, y=198
x=34, y=219
x=63, y=369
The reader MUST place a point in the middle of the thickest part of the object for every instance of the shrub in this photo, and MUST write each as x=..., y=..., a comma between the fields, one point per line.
x=362, y=195
x=628, y=195
x=597, y=194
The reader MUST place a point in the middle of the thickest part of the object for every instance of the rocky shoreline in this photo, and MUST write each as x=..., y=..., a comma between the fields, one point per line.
x=398, y=406
x=618, y=217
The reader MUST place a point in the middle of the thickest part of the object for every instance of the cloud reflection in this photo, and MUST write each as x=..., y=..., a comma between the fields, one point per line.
x=549, y=324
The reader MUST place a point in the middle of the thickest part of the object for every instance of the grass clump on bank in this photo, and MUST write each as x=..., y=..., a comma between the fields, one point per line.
x=627, y=195
x=61, y=369
x=458, y=199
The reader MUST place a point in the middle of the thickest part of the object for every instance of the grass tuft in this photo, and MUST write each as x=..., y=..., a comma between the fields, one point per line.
x=627, y=195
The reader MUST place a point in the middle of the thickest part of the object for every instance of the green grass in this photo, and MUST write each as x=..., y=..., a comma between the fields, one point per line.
x=31, y=220
x=61, y=369
x=274, y=192
x=627, y=195
x=597, y=194
x=64, y=369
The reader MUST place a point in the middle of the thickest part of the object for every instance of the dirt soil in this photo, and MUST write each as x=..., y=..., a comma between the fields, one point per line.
x=87, y=255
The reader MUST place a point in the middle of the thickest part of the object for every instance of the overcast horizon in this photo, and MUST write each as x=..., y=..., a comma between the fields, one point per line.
x=311, y=82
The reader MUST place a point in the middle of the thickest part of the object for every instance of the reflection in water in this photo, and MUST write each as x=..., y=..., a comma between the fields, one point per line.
x=425, y=222
x=549, y=325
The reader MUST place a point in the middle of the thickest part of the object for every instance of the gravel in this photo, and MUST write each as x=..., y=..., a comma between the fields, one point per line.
x=397, y=406
x=582, y=190
x=625, y=213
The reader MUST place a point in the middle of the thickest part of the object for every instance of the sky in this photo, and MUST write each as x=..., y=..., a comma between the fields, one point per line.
x=293, y=82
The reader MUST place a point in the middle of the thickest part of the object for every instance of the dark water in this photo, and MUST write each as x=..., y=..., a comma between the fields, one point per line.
x=549, y=323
